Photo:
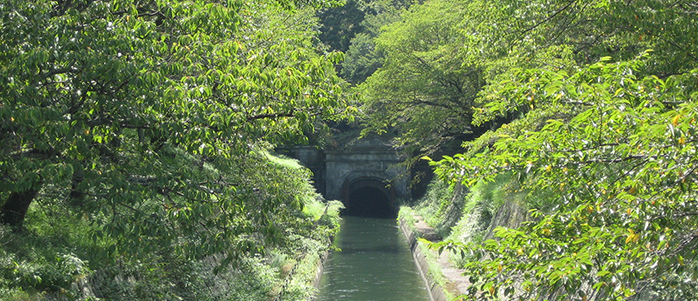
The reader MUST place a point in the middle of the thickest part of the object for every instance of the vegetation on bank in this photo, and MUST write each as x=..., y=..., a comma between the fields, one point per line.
x=57, y=256
x=135, y=148
x=581, y=112
x=499, y=206
x=407, y=215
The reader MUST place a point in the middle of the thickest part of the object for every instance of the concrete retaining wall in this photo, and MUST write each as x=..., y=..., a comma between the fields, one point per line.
x=436, y=292
x=320, y=268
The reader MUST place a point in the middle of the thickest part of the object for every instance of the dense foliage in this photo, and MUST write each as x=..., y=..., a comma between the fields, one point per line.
x=151, y=121
x=55, y=258
x=439, y=55
x=105, y=99
x=614, y=156
x=423, y=88
x=363, y=57
x=591, y=106
x=340, y=24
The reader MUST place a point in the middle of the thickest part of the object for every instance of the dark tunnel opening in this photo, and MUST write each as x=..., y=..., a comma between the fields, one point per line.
x=369, y=201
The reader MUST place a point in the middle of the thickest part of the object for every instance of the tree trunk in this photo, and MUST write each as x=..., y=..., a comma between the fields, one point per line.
x=15, y=208
x=76, y=197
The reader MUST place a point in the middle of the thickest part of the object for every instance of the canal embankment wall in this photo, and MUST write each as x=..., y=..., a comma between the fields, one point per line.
x=436, y=291
x=319, y=269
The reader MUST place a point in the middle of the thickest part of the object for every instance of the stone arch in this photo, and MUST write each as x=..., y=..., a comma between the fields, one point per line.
x=354, y=164
x=368, y=196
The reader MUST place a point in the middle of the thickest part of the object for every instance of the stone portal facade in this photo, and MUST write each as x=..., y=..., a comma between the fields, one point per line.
x=354, y=165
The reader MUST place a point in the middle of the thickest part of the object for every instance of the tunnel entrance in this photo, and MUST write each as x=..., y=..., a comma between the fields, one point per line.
x=368, y=198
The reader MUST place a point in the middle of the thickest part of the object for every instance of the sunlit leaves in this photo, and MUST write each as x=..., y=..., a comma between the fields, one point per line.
x=424, y=89
x=156, y=115
x=602, y=95
x=617, y=162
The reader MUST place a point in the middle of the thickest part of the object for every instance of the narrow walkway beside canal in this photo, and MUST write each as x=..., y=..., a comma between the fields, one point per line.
x=455, y=283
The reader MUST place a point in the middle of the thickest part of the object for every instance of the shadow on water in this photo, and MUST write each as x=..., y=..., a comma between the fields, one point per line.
x=375, y=264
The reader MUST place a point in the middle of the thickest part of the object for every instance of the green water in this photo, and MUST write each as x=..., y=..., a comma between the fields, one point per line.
x=375, y=264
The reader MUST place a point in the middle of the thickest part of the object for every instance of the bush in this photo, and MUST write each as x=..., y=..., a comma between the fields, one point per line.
x=58, y=256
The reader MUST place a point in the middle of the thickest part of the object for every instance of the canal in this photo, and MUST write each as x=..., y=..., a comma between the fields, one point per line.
x=374, y=264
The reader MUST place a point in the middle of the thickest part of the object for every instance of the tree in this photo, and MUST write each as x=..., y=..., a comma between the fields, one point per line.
x=340, y=24
x=362, y=57
x=441, y=54
x=153, y=116
x=424, y=89
x=604, y=150
x=614, y=153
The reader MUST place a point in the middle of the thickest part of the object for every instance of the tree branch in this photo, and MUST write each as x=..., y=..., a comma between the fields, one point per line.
x=549, y=17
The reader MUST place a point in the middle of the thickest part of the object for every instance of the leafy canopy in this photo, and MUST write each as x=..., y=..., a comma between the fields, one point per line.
x=441, y=54
x=154, y=116
x=614, y=153
x=597, y=129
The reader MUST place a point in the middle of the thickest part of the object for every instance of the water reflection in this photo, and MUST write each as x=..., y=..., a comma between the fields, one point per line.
x=375, y=264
